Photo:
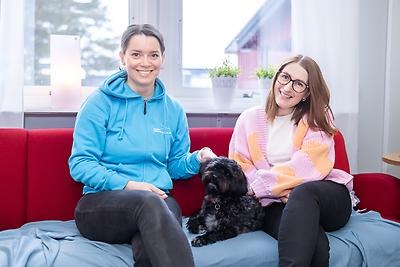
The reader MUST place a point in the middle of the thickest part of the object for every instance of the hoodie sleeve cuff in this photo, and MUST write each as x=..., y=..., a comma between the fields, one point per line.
x=197, y=153
x=117, y=183
x=195, y=161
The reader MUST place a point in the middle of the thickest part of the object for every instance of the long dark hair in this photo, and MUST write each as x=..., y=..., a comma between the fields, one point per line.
x=316, y=105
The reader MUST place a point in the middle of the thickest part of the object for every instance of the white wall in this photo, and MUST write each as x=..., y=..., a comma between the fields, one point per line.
x=378, y=127
x=392, y=86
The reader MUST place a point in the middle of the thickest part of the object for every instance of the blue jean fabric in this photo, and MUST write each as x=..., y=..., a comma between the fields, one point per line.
x=153, y=226
x=299, y=225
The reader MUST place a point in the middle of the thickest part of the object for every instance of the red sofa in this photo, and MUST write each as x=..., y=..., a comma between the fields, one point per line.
x=36, y=184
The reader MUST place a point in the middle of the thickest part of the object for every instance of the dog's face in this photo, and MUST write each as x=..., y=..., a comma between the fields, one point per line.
x=223, y=176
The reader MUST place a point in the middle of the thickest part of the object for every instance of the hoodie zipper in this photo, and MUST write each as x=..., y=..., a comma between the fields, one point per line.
x=144, y=106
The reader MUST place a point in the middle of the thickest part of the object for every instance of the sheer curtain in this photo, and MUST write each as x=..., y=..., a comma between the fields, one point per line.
x=11, y=63
x=327, y=31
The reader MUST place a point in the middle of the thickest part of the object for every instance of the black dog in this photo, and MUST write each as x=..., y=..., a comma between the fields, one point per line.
x=227, y=210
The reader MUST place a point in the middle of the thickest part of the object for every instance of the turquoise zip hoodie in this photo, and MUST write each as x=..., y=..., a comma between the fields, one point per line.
x=119, y=136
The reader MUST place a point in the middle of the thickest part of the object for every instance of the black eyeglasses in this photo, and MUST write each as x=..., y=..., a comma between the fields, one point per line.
x=297, y=85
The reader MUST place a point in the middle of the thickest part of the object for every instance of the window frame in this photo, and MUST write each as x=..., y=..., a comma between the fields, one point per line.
x=167, y=17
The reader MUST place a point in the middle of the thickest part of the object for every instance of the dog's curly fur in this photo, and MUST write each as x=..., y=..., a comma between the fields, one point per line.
x=227, y=210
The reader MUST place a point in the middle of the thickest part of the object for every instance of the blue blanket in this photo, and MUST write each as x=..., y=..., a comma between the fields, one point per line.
x=366, y=240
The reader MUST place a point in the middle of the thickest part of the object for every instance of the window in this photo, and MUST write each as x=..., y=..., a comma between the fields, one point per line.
x=199, y=35
x=98, y=24
x=250, y=34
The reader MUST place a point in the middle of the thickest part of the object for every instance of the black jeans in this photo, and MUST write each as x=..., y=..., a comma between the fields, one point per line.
x=153, y=226
x=300, y=225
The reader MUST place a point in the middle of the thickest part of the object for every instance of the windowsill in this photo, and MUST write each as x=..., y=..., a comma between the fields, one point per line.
x=190, y=105
x=206, y=106
x=39, y=102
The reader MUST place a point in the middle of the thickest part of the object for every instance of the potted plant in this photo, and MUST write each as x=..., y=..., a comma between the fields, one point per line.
x=266, y=73
x=265, y=76
x=223, y=80
x=226, y=70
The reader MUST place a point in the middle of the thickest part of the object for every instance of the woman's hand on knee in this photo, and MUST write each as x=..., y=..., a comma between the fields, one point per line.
x=132, y=185
x=284, y=198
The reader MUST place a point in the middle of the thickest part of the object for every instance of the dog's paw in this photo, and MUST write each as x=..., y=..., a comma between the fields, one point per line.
x=199, y=241
x=193, y=226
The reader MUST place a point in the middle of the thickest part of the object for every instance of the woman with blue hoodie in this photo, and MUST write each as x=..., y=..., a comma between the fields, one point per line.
x=130, y=140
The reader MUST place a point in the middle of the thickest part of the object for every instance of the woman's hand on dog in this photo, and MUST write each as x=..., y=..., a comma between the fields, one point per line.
x=206, y=153
x=132, y=185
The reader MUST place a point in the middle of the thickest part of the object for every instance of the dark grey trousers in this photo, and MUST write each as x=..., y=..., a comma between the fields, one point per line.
x=153, y=226
x=300, y=225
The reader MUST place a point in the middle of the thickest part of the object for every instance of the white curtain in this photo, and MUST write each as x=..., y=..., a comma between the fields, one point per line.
x=11, y=63
x=327, y=31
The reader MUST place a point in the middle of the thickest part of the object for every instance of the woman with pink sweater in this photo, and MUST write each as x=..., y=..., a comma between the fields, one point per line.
x=286, y=150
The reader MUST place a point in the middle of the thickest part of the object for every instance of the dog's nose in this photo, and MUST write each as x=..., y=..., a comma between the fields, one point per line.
x=211, y=189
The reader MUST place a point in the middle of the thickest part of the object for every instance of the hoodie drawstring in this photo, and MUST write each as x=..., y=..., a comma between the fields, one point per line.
x=121, y=132
x=165, y=130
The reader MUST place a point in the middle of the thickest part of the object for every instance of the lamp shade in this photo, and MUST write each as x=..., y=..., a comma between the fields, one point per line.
x=65, y=63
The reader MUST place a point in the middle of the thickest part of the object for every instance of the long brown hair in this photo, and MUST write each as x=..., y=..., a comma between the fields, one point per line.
x=316, y=106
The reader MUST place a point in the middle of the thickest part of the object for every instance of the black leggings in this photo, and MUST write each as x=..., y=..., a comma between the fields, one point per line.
x=153, y=226
x=300, y=225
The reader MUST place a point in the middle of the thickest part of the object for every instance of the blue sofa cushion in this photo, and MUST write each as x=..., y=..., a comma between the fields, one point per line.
x=367, y=240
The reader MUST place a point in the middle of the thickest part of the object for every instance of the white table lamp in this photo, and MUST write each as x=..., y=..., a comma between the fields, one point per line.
x=65, y=63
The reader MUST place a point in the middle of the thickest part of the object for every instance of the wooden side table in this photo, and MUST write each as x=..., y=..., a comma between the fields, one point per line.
x=392, y=158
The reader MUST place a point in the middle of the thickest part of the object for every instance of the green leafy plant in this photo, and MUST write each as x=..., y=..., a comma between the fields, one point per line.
x=266, y=73
x=225, y=70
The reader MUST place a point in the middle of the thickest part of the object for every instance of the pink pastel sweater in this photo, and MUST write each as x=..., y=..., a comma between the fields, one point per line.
x=312, y=159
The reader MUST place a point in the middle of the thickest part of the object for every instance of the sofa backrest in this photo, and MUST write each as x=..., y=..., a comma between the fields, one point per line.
x=341, y=159
x=189, y=193
x=12, y=178
x=51, y=193
x=36, y=183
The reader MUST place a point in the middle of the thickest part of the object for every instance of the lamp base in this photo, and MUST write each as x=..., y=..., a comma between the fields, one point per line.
x=66, y=99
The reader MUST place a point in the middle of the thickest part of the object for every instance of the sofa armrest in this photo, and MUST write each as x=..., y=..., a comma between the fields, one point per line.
x=379, y=192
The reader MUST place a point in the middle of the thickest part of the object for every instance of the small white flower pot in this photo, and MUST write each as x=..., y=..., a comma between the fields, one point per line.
x=223, y=91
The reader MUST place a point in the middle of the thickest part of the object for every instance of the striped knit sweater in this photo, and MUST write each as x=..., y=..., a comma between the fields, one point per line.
x=312, y=159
